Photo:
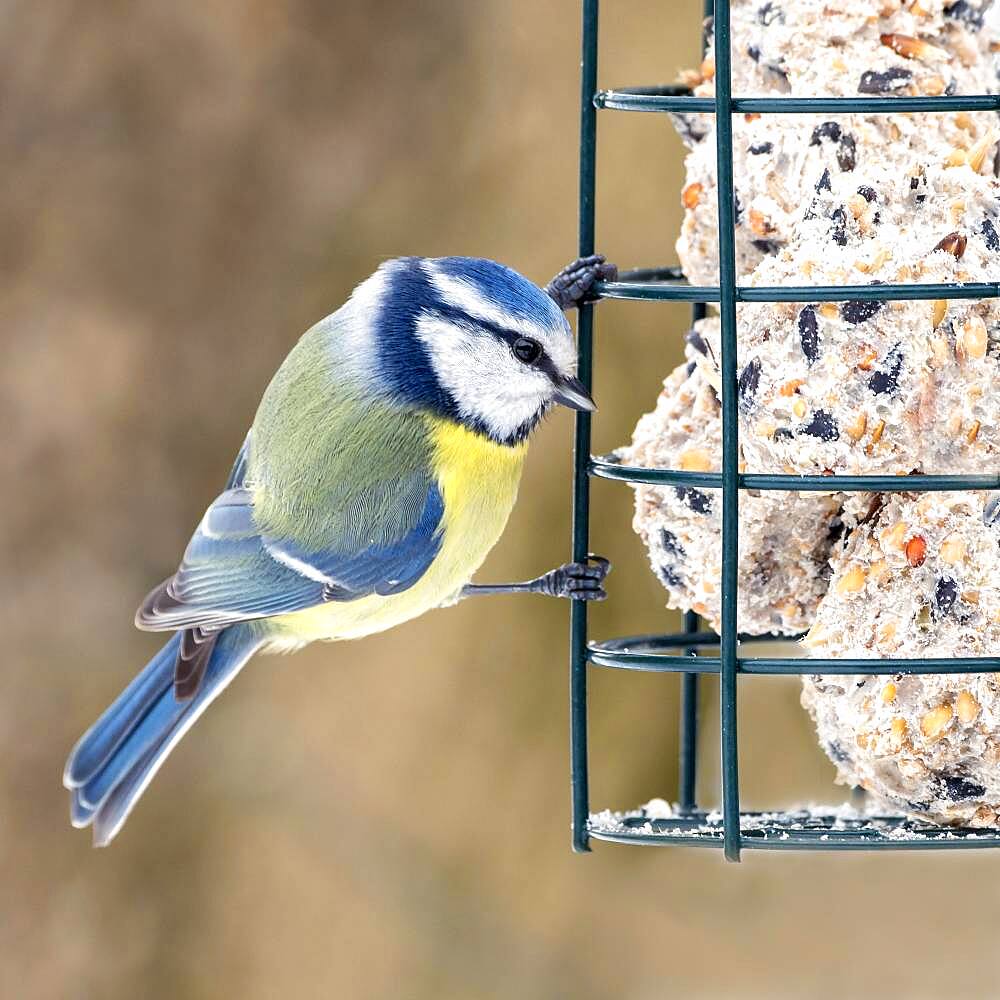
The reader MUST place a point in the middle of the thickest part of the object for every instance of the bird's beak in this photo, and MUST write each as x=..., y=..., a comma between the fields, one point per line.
x=573, y=393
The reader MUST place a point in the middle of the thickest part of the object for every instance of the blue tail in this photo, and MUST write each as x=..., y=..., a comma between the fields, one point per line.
x=114, y=761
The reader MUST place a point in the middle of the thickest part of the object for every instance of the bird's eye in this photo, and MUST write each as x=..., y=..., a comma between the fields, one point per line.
x=527, y=350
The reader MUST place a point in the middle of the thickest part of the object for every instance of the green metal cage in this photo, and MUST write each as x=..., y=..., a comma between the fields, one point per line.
x=685, y=653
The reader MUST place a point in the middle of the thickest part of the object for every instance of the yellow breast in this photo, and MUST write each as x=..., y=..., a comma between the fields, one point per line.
x=478, y=480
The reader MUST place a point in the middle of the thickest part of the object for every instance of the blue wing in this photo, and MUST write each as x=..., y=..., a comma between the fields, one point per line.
x=233, y=572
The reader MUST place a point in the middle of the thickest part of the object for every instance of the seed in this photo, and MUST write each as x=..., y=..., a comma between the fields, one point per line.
x=962, y=10
x=855, y=429
x=747, y=385
x=886, y=633
x=822, y=426
x=972, y=339
x=692, y=195
x=829, y=310
x=990, y=236
x=788, y=389
x=966, y=706
x=978, y=152
x=945, y=594
x=953, y=549
x=934, y=86
x=953, y=243
x=847, y=153
x=916, y=551
x=894, y=78
x=877, y=432
x=799, y=408
x=852, y=581
x=913, y=48
x=855, y=311
x=936, y=721
x=960, y=789
x=940, y=307
x=858, y=205
x=696, y=460
x=816, y=636
x=973, y=431
x=886, y=378
x=828, y=130
x=759, y=223
x=699, y=501
x=889, y=693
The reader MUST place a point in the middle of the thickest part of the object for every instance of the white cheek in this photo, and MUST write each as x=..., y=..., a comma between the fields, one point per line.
x=486, y=381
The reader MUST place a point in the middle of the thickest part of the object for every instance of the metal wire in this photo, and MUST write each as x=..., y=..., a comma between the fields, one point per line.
x=683, y=652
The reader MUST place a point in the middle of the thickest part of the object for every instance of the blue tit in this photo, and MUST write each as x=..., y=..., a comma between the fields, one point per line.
x=380, y=469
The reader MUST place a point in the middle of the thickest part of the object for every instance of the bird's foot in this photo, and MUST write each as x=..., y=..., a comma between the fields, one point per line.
x=573, y=285
x=577, y=581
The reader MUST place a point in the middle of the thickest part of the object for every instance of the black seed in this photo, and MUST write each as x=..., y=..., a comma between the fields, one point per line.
x=847, y=153
x=886, y=377
x=876, y=218
x=914, y=183
x=770, y=13
x=748, y=382
x=697, y=341
x=892, y=79
x=737, y=208
x=960, y=789
x=823, y=184
x=822, y=426
x=920, y=199
x=991, y=512
x=767, y=246
x=753, y=52
x=990, y=235
x=855, y=311
x=828, y=130
x=809, y=333
x=670, y=544
x=671, y=577
x=698, y=501
x=783, y=434
x=961, y=10
x=762, y=147
x=869, y=194
x=835, y=531
x=945, y=594
x=691, y=365
x=835, y=752
x=690, y=128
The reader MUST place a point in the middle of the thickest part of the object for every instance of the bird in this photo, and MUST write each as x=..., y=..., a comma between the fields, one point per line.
x=380, y=469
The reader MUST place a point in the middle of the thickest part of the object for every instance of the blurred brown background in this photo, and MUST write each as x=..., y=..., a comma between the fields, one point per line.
x=186, y=188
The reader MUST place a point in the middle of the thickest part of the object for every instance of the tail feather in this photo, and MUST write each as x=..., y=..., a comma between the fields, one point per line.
x=141, y=732
x=98, y=743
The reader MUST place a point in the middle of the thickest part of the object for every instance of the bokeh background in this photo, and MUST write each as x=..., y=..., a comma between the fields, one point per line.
x=187, y=187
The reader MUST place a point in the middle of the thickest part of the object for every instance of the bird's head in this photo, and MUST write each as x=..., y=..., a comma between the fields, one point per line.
x=472, y=340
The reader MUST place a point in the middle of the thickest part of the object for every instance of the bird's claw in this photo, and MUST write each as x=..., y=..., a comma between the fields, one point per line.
x=578, y=581
x=573, y=285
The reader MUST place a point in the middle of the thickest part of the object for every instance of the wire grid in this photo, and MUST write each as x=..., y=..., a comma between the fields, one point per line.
x=682, y=653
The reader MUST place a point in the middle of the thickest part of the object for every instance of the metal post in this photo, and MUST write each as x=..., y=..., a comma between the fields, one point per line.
x=688, y=736
x=730, y=432
x=581, y=456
